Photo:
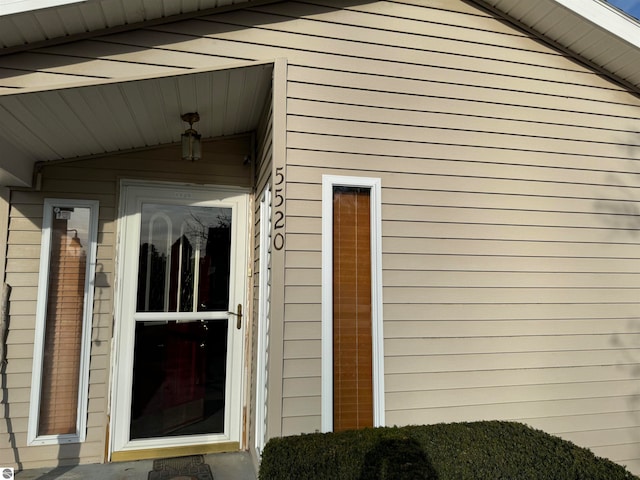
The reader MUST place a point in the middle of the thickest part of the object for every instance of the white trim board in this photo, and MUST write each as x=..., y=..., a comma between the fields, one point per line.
x=264, y=310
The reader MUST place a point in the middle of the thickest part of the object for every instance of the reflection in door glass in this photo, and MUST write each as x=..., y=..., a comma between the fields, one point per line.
x=179, y=379
x=184, y=259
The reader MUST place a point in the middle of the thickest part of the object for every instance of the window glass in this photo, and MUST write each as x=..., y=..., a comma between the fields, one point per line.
x=59, y=390
x=352, y=341
x=179, y=379
x=184, y=259
x=64, y=321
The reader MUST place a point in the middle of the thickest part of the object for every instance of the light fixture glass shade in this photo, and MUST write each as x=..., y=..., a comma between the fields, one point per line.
x=191, y=149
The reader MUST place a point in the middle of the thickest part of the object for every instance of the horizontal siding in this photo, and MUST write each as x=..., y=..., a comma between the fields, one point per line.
x=439, y=37
x=471, y=100
x=95, y=179
x=530, y=412
x=509, y=234
x=428, y=124
x=470, y=142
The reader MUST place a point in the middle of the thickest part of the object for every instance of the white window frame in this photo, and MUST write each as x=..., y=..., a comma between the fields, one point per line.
x=374, y=185
x=41, y=317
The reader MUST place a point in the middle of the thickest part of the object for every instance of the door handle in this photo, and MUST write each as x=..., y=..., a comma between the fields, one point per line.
x=238, y=315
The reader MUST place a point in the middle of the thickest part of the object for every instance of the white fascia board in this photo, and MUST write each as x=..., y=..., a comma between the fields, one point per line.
x=607, y=17
x=10, y=7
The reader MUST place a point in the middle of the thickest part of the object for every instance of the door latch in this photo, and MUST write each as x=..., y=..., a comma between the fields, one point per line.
x=238, y=315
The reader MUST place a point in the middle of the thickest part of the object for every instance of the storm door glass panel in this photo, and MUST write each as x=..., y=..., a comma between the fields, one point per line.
x=179, y=370
x=184, y=259
x=179, y=377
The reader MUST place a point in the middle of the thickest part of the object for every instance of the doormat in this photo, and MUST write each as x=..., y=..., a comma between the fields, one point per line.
x=181, y=468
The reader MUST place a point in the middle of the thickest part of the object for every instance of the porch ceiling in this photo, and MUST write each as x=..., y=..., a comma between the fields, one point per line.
x=111, y=117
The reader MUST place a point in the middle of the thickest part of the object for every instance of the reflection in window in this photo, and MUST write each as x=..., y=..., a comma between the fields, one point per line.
x=63, y=331
x=179, y=378
x=184, y=259
x=155, y=271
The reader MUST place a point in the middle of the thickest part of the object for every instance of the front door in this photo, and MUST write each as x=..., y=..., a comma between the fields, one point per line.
x=180, y=329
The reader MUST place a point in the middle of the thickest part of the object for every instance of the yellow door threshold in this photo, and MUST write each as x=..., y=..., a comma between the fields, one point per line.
x=168, y=452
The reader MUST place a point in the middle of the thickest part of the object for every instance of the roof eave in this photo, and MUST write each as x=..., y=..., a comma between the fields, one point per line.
x=610, y=32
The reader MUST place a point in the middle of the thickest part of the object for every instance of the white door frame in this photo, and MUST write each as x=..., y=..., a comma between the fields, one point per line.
x=132, y=195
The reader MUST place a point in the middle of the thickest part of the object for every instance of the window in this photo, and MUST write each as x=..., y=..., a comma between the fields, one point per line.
x=59, y=388
x=352, y=349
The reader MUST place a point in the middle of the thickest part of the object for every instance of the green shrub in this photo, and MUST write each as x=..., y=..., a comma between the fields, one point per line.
x=458, y=451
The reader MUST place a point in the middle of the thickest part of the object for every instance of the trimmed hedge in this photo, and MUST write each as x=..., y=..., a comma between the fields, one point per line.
x=458, y=451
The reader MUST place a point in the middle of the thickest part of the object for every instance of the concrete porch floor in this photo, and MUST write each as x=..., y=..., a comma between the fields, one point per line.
x=224, y=466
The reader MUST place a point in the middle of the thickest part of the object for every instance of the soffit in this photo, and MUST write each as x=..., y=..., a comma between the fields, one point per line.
x=26, y=22
x=604, y=36
x=98, y=119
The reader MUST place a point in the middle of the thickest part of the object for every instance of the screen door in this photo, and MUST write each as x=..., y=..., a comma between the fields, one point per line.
x=180, y=332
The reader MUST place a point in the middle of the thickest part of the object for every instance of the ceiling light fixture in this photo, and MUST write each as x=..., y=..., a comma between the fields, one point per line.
x=191, y=149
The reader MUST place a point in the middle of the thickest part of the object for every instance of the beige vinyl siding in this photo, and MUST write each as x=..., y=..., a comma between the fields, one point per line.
x=95, y=179
x=509, y=246
x=510, y=199
x=431, y=36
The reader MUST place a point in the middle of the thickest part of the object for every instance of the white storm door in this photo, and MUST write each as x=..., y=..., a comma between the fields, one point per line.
x=179, y=329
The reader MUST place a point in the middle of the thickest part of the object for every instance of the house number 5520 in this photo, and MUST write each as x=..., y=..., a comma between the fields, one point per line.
x=278, y=205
